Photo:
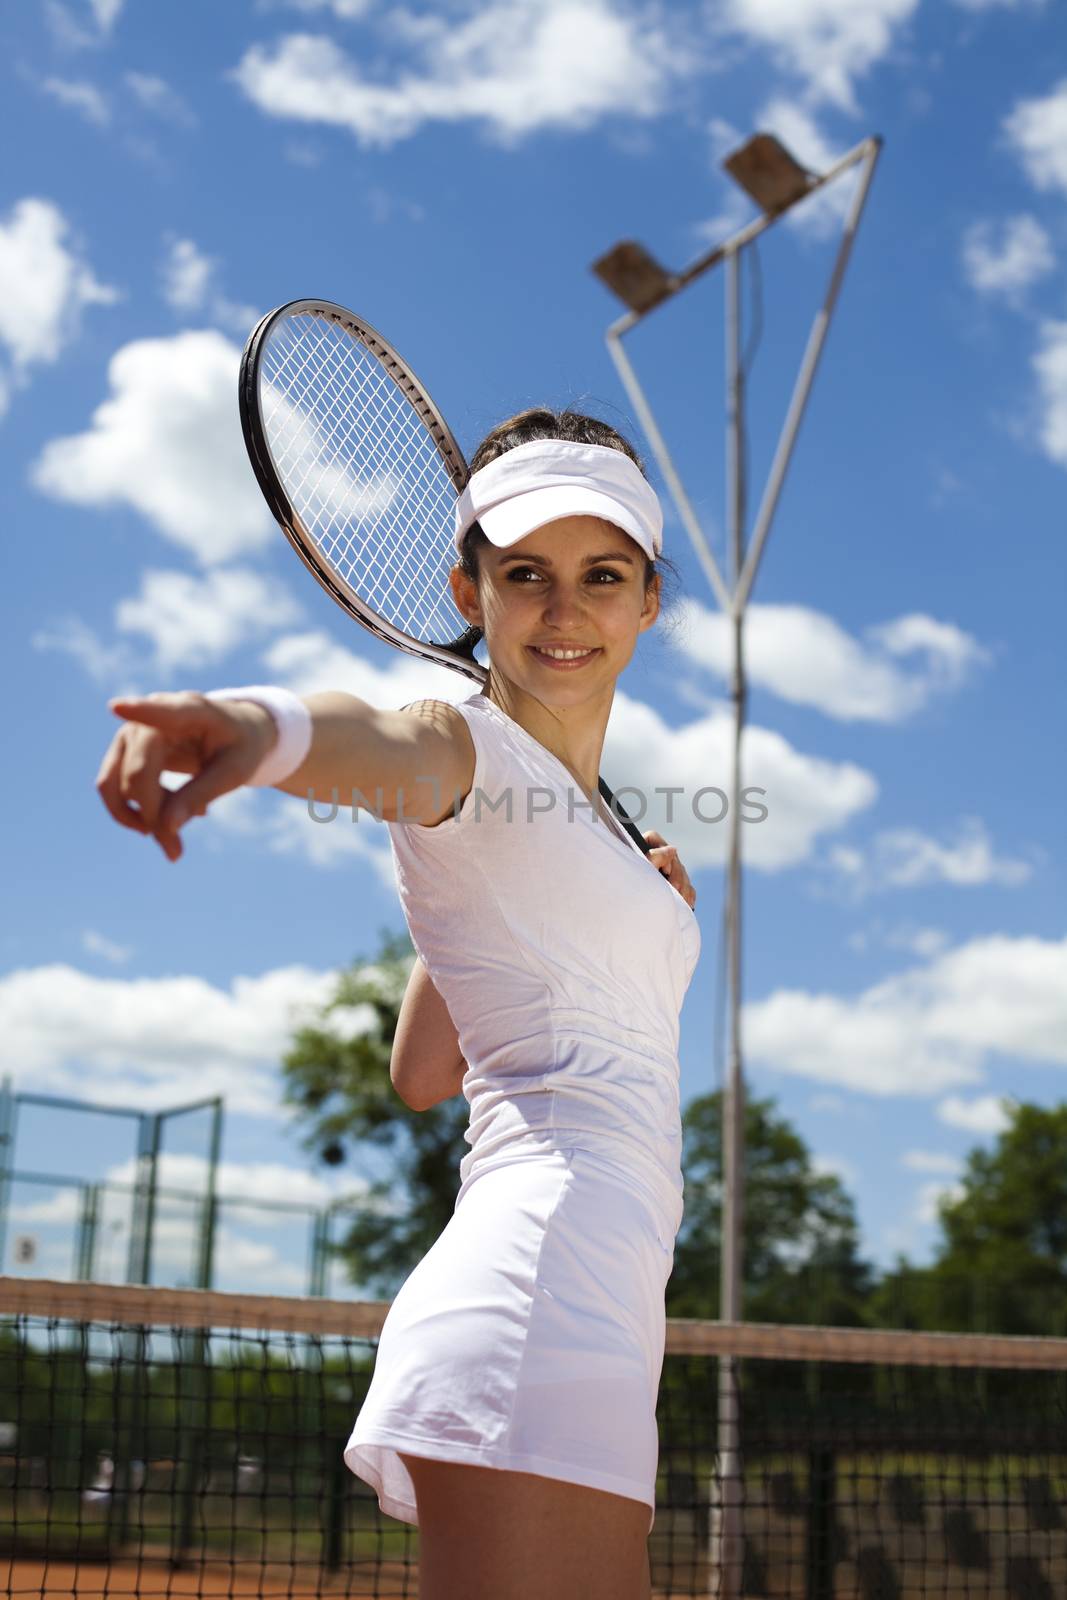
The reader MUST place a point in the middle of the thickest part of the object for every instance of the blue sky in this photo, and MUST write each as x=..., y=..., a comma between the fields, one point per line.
x=171, y=171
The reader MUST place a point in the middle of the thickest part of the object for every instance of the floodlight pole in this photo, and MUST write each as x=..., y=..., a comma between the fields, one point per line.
x=657, y=286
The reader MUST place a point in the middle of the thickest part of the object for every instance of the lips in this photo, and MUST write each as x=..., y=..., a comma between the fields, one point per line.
x=564, y=662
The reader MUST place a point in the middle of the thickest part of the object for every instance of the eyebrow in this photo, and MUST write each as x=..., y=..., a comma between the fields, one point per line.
x=608, y=555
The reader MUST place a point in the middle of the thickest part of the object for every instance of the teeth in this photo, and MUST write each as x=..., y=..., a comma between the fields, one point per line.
x=561, y=655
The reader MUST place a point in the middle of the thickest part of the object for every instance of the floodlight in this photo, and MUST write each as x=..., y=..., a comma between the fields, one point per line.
x=765, y=170
x=635, y=276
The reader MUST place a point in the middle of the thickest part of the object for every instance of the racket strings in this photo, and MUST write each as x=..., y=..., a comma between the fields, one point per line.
x=369, y=459
x=325, y=441
x=363, y=473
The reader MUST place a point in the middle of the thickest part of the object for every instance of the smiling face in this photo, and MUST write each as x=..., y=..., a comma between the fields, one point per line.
x=576, y=584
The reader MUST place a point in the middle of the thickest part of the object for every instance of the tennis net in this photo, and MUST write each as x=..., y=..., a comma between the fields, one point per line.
x=158, y=1442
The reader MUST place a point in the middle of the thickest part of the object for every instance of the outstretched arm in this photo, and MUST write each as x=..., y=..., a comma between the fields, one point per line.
x=426, y=1065
x=409, y=765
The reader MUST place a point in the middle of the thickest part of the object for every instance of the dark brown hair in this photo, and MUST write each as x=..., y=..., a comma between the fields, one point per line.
x=541, y=423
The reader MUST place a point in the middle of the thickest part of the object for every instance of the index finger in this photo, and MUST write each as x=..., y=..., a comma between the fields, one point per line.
x=160, y=710
x=107, y=787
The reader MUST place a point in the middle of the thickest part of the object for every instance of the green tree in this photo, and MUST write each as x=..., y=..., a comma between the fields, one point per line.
x=1001, y=1264
x=800, y=1236
x=336, y=1079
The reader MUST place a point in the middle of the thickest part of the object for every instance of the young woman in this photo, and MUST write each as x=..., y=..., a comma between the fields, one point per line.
x=512, y=1409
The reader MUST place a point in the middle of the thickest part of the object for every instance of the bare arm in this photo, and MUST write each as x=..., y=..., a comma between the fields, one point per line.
x=426, y=1065
x=418, y=758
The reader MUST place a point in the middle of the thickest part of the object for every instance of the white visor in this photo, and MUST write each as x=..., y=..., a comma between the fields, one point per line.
x=546, y=479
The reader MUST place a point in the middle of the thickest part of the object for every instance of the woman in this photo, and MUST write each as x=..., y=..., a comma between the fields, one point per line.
x=511, y=1413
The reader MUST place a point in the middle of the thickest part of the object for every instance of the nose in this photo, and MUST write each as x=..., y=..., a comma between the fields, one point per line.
x=564, y=606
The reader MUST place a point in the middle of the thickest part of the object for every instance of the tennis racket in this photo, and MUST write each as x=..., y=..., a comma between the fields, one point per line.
x=362, y=473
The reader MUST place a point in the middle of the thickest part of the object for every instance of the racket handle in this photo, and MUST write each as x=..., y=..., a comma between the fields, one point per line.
x=617, y=811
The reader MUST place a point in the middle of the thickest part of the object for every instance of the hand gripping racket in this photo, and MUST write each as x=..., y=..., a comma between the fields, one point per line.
x=362, y=473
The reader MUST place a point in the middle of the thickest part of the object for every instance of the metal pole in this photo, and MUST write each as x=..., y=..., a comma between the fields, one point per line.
x=805, y=378
x=728, y=1556
x=8, y=1116
x=135, y=1257
x=85, y=1245
x=727, y=1541
x=209, y=1214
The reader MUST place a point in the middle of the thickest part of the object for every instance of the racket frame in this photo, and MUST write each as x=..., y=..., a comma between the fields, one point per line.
x=282, y=508
x=288, y=519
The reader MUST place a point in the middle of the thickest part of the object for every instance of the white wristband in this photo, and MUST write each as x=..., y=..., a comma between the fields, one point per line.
x=293, y=721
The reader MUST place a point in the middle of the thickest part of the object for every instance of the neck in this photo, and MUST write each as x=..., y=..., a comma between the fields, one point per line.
x=573, y=734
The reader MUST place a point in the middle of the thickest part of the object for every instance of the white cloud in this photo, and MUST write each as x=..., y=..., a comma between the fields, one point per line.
x=905, y=858
x=950, y=654
x=136, y=1038
x=155, y=95
x=827, y=1166
x=99, y=945
x=344, y=10
x=1037, y=130
x=580, y=61
x=45, y=285
x=251, y=1181
x=928, y=1206
x=806, y=796
x=827, y=43
x=249, y=1236
x=323, y=840
x=66, y=30
x=192, y=622
x=907, y=936
x=186, y=275
x=991, y=5
x=1008, y=257
x=84, y=98
x=805, y=657
x=168, y=443
x=106, y=13
x=70, y=635
x=925, y=1031
x=930, y=1161
x=987, y=1114
x=383, y=205
x=918, y=941
x=190, y=284
x=1049, y=363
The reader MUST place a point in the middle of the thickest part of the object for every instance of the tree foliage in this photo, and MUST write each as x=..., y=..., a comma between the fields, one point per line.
x=1001, y=1264
x=799, y=1229
x=336, y=1079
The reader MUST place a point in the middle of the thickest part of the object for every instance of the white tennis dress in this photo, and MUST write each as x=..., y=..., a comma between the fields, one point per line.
x=531, y=1335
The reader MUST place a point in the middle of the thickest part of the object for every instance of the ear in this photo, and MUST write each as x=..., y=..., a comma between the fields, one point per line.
x=650, y=609
x=465, y=595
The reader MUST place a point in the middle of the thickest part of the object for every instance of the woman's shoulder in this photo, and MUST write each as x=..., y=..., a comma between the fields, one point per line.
x=472, y=739
x=453, y=718
x=436, y=735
